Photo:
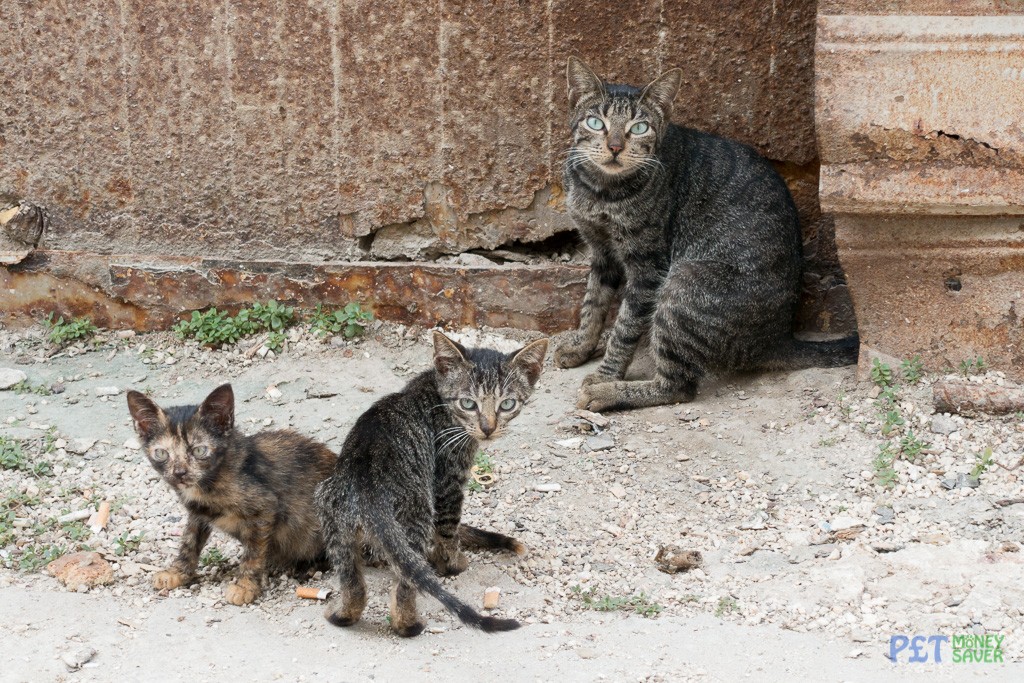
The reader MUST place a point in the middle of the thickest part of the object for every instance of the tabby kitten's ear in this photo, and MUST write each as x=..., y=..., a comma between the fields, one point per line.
x=146, y=415
x=663, y=90
x=218, y=410
x=582, y=81
x=448, y=355
x=529, y=360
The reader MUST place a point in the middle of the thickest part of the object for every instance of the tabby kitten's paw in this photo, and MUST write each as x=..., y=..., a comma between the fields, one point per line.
x=598, y=396
x=169, y=579
x=569, y=350
x=449, y=564
x=243, y=592
x=597, y=378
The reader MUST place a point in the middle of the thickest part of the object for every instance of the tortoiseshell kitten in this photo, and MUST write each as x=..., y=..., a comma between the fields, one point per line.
x=258, y=489
x=398, y=484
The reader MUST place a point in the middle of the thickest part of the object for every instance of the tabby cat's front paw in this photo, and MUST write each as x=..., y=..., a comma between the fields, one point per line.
x=597, y=397
x=597, y=378
x=169, y=579
x=569, y=351
x=243, y=592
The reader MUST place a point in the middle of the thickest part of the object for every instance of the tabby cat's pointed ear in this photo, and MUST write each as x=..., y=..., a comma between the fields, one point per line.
x=146, y=415
x=530, y=360
x=448, y=355
x=218, y=410
x=663, y=90
x=582, y=81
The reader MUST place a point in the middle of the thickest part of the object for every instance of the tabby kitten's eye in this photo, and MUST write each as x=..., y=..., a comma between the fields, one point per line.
x=508, y=404
x=595, y=123
x=467, y=403
x=639, y=128
x=201, y=451
x=158, y=455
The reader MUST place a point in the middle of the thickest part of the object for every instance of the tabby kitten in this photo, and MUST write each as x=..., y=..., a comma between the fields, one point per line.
x=398, y=484
x=258, y=489
x=699, y=233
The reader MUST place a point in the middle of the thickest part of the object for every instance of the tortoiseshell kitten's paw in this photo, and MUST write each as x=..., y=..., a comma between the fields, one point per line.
x=570, y=350
x=243, y=592
x=170, y=579
x=447, y=559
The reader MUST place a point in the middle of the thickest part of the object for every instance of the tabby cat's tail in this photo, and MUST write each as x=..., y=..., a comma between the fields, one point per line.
x=414, y=568
x=480, y=539
x=795, y=354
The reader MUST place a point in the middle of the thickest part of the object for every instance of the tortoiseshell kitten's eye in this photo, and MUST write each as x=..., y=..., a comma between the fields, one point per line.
x=159, y=455
x=201, y=451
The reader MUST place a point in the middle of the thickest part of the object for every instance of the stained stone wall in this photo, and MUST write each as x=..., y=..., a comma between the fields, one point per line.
x=317, y=132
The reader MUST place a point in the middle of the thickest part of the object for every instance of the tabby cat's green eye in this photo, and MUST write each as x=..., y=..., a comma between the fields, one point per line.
x=595, y=123
x=467, y=403
x=508, y=404
x=201, y=451
x=639, y=128
x=158, y=455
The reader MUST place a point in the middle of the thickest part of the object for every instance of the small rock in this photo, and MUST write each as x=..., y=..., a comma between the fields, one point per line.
x=125, y=334
x=943, y=424
x=9, y=377
x=586, y=653
x=962, y=481
x=80, y=446
x=600, y=443
x=672, y=559
x=885, y=515
x=547, y=488
x=132, y=444
x=843, y=522
x=273, y=393
x=81, y=569
x=596, y=419
x=618, y=491
x=689, y=417
x=756, y=522
x=76, y=660
x=491, y=597
x=467, y=259
x=107, y=391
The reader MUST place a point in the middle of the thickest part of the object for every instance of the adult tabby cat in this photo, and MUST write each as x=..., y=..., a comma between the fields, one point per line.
x=701, y=235
x=257, y=488
x=398, y=484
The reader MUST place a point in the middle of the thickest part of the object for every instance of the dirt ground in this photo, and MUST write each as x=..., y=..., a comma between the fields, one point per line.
x=813, y=551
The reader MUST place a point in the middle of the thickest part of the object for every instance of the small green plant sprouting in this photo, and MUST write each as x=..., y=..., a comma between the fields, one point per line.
x=349, y=320
x=62, y=333
x=212, y=328
x=125, y=544
x=7, y=518
x=890, y=420
x=213, y=557
x=843, y=401
x=984, y=460
x=275, y=341
x=273, y=316
x=885, y=473
x=911, y=446
x=881, y=374
x=24, y=387
x=829, y=441
x=12, y=457
x=76, y=531
x=474, y=486
x=640, y=603
x=483, y=463
x=912, y=370
x=726, y=605
x=972, y=366
x=36, y=556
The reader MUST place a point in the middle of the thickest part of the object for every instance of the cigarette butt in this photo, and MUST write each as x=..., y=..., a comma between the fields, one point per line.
x=98, y=520
x=313, y=593
x=76, y=516
x=491, y=596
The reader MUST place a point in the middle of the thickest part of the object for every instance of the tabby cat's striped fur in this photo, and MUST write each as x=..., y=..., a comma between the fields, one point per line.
x=699, y=233
x=398, y=484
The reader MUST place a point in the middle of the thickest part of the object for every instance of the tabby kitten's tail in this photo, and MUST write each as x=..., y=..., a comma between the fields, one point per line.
x=796, y=354
x=413, y=568
x=481, y=539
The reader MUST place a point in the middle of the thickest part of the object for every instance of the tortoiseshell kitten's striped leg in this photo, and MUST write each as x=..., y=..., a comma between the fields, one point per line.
x=255, y=539
x=183, y=569
x=575, y=347
x=445, y=556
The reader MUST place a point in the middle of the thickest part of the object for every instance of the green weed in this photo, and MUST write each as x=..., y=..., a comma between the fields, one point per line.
x=640, y=603
x=726, y=605
x=891, y=419
x=213, y=557
x=885, y=474
x=62, y=333
x=983, y=461
x=349, y=320
x=972, y=366
x=36, y=556
x=911, y=446
x=881, y=374
x=275, y=341
x=912, y=370
x=125, y=544
x=24, y=387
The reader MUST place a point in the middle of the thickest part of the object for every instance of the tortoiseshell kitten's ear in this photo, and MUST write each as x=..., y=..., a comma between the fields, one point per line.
x=149, y=419
x=217, y=413
x=529, y=360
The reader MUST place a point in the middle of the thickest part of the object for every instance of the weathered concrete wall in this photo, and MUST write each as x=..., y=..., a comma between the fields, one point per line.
x=923, y=166
x=318, y=131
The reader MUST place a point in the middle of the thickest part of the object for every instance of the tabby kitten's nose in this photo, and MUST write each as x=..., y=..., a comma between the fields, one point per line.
x=615, y=148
